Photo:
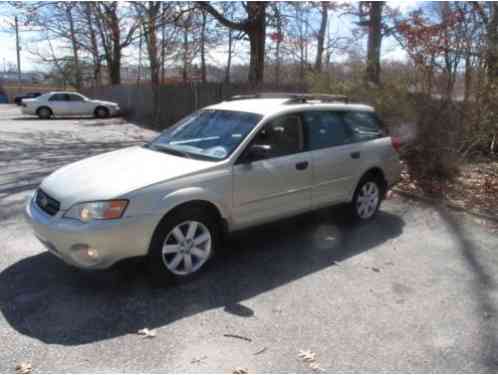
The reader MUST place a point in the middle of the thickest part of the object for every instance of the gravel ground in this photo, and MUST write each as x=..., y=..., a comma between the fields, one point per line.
x=414, y=290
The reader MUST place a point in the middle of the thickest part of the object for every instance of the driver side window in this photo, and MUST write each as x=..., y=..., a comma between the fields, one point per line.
x=284, y=136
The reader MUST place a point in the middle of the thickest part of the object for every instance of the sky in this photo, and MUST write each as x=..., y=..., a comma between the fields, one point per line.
x=390, y=48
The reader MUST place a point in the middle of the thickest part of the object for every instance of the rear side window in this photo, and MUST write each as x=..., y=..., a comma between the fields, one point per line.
x=326, y=129
x=364, y=126
x=74, y=98
x=58, y=98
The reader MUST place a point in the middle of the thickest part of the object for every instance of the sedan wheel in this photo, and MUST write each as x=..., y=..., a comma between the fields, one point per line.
x=367, y=200
x=102, y=112
x=186, y=248
x=44, y=113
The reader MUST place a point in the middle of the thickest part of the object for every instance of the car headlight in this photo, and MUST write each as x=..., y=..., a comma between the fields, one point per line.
x=101, y=210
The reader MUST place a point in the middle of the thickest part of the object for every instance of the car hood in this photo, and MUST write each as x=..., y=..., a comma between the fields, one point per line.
x=110, y=175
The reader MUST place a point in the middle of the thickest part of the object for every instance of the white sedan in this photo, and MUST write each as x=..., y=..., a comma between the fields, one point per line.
x=67, y=104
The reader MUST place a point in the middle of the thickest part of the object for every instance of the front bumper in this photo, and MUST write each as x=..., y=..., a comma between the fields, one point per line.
x=114, y=111
x=70, y=239
x=26, y=111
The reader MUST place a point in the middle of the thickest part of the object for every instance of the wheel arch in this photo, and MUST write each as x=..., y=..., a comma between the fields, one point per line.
x=99, y=106
x=205, y=204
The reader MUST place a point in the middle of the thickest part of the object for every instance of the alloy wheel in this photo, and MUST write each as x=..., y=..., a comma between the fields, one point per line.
x=186, y=248
x=367, y=200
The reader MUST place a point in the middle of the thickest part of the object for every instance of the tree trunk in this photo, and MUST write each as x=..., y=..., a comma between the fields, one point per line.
x=185, y=54
x=115, y=65
x=257, y=37
x=492, y=48
x=321, y=38
x=229, y=57
x=163, y=43
x=467, y=80
x=203, y=46
x=97, y=65
x=374, y=43
x=74, y=43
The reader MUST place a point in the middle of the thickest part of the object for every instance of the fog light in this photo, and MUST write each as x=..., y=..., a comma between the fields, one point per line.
x=85, y=254
x=92, y=253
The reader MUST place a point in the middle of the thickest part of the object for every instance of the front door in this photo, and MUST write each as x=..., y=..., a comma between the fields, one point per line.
x=77, y=105
x=59, y=103
x=279, y=184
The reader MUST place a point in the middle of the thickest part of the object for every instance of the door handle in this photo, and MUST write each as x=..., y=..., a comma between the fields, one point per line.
x=302, y=165
x=355, y=155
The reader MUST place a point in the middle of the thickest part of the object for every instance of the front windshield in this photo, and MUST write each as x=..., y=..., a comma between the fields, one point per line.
x=209, y=134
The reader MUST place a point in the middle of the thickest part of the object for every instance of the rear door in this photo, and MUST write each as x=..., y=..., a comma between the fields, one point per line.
x=336, y=158
x=278, y=185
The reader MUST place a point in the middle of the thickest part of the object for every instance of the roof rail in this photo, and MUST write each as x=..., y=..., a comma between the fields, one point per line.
x=324, y=98
x=293, y=98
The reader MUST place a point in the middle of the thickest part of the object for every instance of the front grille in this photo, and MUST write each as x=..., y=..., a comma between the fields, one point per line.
x=47, y=203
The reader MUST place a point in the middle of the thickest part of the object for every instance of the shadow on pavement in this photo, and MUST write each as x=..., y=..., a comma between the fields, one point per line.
x=43, y=298
x=482, y=285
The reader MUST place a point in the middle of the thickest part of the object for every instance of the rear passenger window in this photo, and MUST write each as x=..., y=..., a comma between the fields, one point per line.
x=74, y=98
x=58, y=98
x=363, y=125
x=326, y=129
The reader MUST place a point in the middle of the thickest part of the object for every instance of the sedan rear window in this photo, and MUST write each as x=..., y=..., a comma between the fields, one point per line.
x=209, y=134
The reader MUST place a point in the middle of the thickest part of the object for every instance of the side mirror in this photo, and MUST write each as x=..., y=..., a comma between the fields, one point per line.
x=257, y=152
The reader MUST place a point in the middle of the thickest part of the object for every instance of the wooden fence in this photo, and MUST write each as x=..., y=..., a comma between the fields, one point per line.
x=175, y=101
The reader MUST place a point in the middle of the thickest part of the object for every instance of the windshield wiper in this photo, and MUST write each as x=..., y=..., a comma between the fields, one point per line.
x=169, y=150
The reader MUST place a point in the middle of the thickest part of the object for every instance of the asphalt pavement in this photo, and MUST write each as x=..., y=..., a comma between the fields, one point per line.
x=414, y=290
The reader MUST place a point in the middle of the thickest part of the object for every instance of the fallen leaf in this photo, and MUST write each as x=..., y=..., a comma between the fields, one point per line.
x=149, y=333
x=237, y=337
x=307, y=355
x=24, y=368
x=240, y=370
x=198, y=359
x=262, y=350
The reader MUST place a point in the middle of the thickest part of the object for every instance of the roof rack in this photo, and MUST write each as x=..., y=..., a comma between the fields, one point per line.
x=294, y=98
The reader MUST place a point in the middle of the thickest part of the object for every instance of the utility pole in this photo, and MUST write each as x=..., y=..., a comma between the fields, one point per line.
x=18, y=48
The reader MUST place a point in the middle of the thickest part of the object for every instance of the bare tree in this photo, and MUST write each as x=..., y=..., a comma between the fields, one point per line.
x=321, y=36
x=374, y=42
x=117, y=31
x=253, y=24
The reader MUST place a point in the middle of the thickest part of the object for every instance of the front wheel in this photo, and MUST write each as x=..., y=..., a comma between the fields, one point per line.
x=101, y=112
x=44, y=113
x=366, y=199
x=182, y=244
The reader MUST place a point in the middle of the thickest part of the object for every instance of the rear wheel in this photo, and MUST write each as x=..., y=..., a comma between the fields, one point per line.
x=44, y=113
x=101, y=112
x=367, y=198
x=182, y=245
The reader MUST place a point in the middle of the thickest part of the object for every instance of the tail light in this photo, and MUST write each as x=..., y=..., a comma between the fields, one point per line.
x=396, y=142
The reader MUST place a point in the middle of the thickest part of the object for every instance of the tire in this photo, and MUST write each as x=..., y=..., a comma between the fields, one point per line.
x=101, y=112
x=44, y=113
x=367, y=198
x=171, y=259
